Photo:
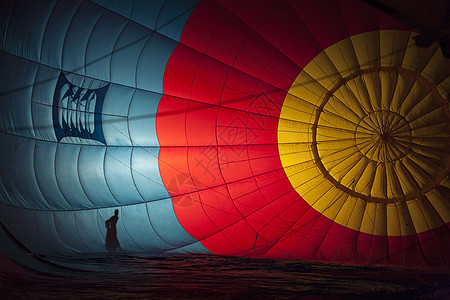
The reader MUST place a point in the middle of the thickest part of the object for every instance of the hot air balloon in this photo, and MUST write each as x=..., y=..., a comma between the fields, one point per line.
x=279, y=129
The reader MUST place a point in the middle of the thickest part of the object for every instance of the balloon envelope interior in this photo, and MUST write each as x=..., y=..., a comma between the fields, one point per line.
x=296, y=129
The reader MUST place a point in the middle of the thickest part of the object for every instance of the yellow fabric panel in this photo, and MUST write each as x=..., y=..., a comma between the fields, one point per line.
x=446, y=183
x=316, y=193
x=381, y=219
x=393, y=45
x=379, y=182
x=393, y=187
x=289, y=136
x=331, y=208
x=417, y=216
x=367, y=48
x=358, y=88
x=444, y=88
x=424, y=111
x=323, y=71
x=301, y=105
x=416, y=172
x=353, y=175
x=393, y=220
x=344, y=214
x=405, y=221
x=437, y=68
x=337, y=109
x=364, y=183
x=343, y=57
x=369, y=218
x=416, y=58
x=415, y=95
x=373, y=86
x=388, y=82
x=355, y=220
x=345, y=96
x=381, y=134
x=295, y=114
x=432, y=219
x=407, y=183
x=402, y=88
x=439, y=198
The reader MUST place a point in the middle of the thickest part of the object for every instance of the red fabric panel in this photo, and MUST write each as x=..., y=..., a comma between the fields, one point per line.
x=224, y=87
x=176, y=82
x=201, y=117
x=171, y=113
x=209, y=81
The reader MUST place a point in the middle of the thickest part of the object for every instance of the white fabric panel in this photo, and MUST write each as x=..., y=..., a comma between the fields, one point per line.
x=142, y=118
x=77, y=36
x=66, y=168
x=55, y=31
x=101, y=43
x=119, y=177
x=126, y=53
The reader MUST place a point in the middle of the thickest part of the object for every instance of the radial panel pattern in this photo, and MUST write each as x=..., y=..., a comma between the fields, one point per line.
x=374, y=135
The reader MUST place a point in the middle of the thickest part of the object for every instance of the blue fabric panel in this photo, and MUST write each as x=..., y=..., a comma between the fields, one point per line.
x=143, y=12
x=26, y=28
x=9, y=192
x=125, y=240
x=66, y=227
x=119, y=176
x=47, y=237
x=146, y=173
x=126, y=54
x=41, y=106
x=165, y=223
x=21, y=223
x=55, y=31
x=77, y=36
x=142, y=118
x=173, y=16
x=89, y=230
x=153, y=61
x=196, y=247
x=66, y=167
x=23, y=165
x=23, y=83
x=114, y=115
x=92, y=176
x=101, y=45
x=44, y=165
x=137, y=224
x=146, y=12
x=8, y=64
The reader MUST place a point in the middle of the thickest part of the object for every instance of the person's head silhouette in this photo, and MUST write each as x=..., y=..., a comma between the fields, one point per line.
x=116, y=212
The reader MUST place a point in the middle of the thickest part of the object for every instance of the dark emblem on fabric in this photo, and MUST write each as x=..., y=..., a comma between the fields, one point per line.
x=77, y=111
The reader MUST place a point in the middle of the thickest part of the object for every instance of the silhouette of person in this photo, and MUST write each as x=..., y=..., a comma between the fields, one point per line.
x=111, y=242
